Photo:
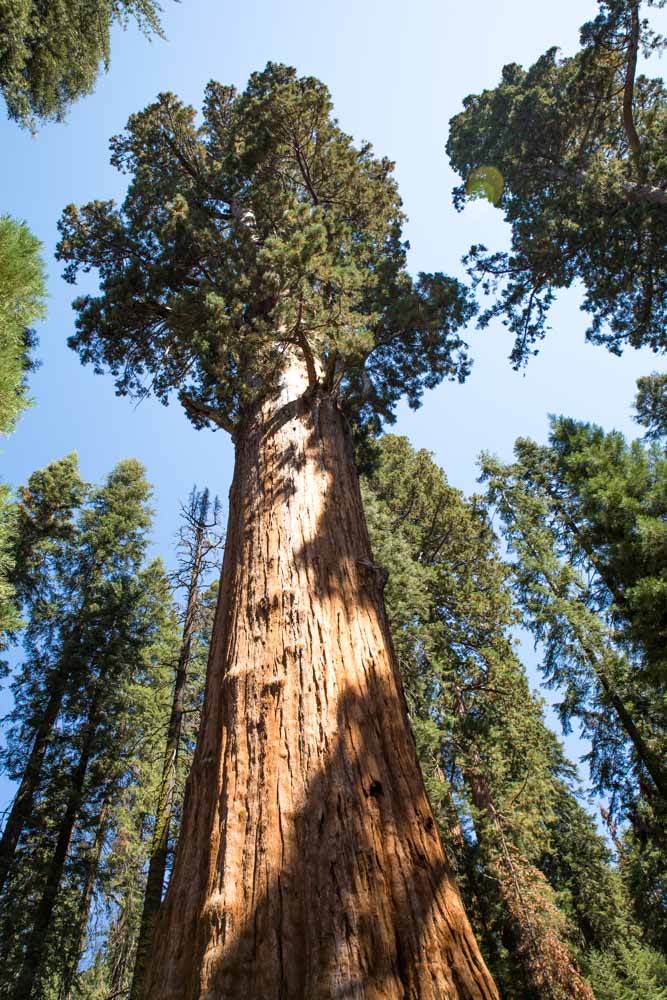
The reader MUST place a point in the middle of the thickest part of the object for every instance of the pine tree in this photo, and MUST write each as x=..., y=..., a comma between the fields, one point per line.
x=651, y=405
x=124, y=870
x=585, y=518
x=257, y=269
x=43, y=581
x=574, y=151
x=492, y=766
x=128, y=763
x=21, y=304
x=198, y=543
x=22, y=296
x=93, y=618
x=52, y=53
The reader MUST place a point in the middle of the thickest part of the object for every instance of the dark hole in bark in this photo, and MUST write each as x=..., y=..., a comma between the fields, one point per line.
x=429, y=824
x=376, y=789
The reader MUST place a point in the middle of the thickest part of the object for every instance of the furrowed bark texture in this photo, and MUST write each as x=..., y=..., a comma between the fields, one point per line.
x=309, y=865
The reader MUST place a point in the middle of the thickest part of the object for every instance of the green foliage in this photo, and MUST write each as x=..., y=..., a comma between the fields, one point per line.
x=97, y=645
x=525, y=850
x=259, y=234
x=651, y=405
x=167, y=711
x=22, y=296
x=612, y=497
x=9, y=615
x=21, y=303
x=581, y=146
x=585, y=520
x=631, y=972
x=51, y=53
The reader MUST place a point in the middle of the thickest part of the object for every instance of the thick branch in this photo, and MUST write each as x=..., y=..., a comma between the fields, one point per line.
x=207, y=412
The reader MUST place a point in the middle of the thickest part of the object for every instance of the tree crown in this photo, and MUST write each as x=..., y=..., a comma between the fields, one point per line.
x=53, y=51
x=259, y=233
x=579, y=146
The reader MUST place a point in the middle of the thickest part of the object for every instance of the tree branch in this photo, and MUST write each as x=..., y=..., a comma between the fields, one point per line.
x=207, y=412
x=629, y=88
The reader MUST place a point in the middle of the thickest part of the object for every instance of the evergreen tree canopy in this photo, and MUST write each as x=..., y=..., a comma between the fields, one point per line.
x=21, y=303
x=612, y=499
x=526, y=852
x=585, y=520
x=579, y=145
x=22, y=296
x=51, y=53
x=651, y=405
x=259, y=233
x=97, y=624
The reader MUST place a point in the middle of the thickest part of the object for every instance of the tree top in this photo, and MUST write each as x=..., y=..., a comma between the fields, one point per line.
x=248, y=235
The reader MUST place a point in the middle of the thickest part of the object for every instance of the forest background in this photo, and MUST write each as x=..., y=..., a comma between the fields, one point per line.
x=399, y=93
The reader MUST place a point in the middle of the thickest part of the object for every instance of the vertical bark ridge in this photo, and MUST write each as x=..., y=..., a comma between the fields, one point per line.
x=309, y=865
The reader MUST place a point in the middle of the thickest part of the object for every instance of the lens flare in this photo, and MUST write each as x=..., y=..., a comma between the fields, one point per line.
x=486, y=182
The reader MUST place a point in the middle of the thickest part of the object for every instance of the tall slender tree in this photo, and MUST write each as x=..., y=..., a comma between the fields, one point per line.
x=198, y=543
x=43, y=581
x=585, y=520
x=21, y=304
x=126, y=768
x=123, y=873
x=92, y=619
x=257, y=268
x=585, y=517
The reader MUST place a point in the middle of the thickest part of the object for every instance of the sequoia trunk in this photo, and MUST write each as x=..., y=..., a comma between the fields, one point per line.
x=309, y=864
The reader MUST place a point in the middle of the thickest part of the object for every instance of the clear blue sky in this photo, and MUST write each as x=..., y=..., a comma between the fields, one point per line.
x=398, y=71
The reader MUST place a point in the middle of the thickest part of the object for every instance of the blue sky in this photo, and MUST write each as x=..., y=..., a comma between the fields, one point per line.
x=397, y=72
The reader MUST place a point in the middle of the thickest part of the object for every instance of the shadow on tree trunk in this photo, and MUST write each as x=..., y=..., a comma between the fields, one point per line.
x=309, y=864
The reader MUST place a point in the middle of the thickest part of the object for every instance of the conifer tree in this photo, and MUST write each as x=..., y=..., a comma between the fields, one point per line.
x=51, y=53
x=198, y=543
x=257, y=269
x=585, y=517
x=124, y=870
x=537, y=877
x=42, y=555
x=127, y=767
x=21, y=304
x=485, y=749
x=651, y=405
x=92, y=618
x=574, y=151
x=22, y=296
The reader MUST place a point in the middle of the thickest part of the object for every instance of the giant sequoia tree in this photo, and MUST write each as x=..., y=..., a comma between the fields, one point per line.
x=574, y=151
x=257, y=268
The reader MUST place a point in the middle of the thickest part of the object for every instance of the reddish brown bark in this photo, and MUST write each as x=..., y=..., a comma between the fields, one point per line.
x=309, y=865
